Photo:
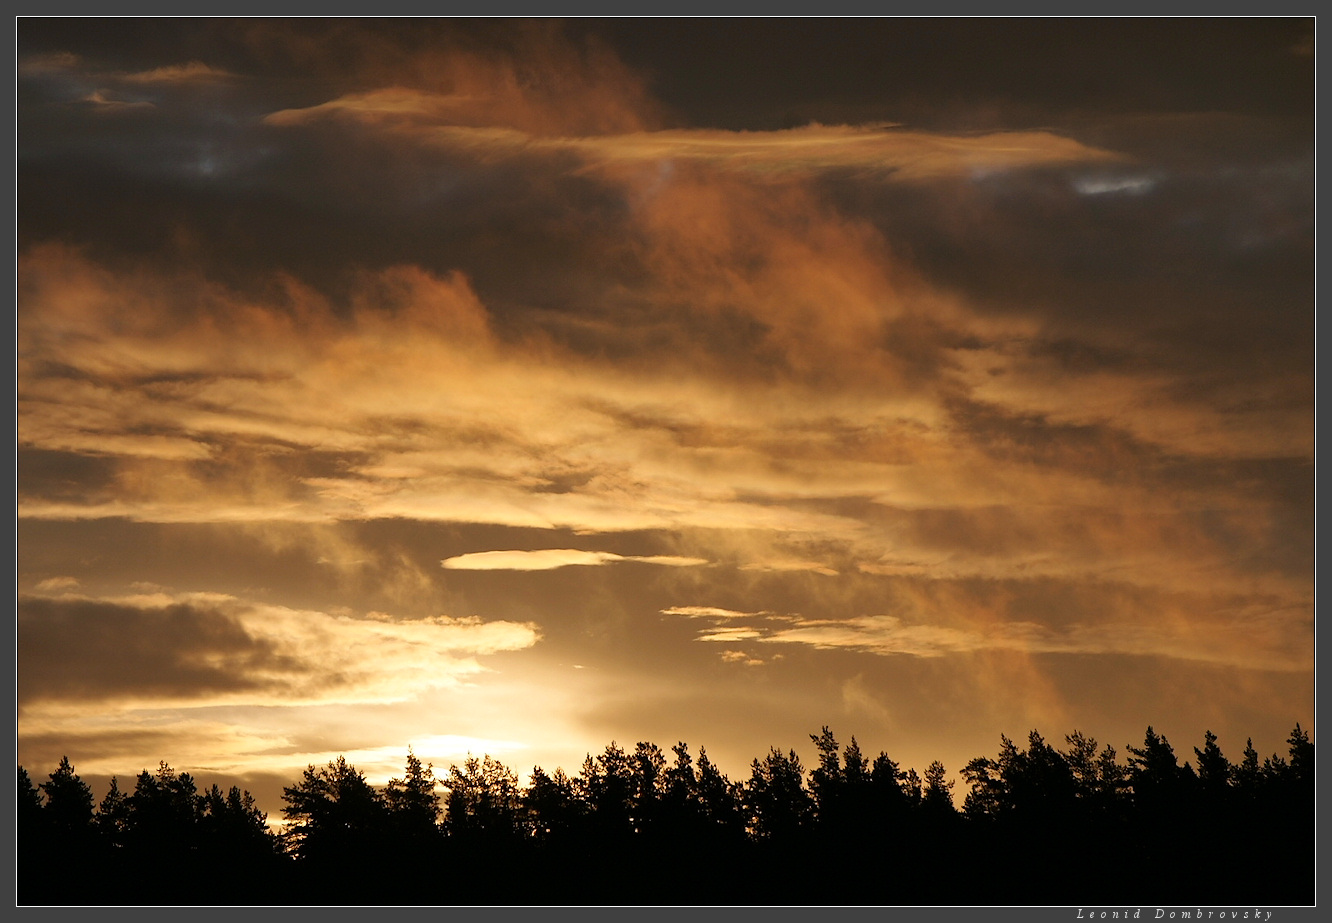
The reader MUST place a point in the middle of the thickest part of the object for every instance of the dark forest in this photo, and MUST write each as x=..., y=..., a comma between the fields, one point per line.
x=1039, y=825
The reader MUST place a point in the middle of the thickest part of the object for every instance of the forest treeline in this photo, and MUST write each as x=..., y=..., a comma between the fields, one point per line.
x=1039, y=825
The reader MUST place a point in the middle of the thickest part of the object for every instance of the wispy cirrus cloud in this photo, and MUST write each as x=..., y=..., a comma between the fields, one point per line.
x=1233, y=642
x=729, y=635
x=189, y=72
x=1256, y=637
x=441, y=121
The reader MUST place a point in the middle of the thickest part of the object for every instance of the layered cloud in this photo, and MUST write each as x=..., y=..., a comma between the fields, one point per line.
x=208, y=650
x=172, y=398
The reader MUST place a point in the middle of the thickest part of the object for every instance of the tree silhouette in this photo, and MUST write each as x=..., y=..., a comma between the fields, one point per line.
x=1160, y=785
x=413, y=803
x=114, y=815
x=1248, y=775
x=165, y=809
x=29, y=800
x=720, y=799
x=606, y=785
x=887, y=798
x=680, y=806
x=63, y=838
x=32, y=825
x=1214, y=770
x=69, y=802
x=1042, y=786
x=847, y=806
x=988, y=798
x=911, y=788
x=647, y=789
x=1301, y=757
x=336, y=824
x=549, y=806
x=780, y=807
x=233, y=825
x=826, y=779
x=483, y=803
x=937, y=797
x=1037, y=825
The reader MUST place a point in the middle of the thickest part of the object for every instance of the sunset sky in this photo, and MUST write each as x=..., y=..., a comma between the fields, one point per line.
x=513, y=387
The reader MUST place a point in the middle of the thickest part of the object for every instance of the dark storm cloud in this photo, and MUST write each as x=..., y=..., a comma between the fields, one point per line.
x=78, y=649
x=1178, y=251
x=182, y=122
x=201, y=179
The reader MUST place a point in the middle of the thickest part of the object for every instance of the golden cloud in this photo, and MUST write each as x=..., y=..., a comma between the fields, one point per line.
x=707, y=612
x=213, y=649
x=551, y=558
x=541, y=83
x=190, y=72
x=848, y=428
x=1256, y=640
x=481, y=123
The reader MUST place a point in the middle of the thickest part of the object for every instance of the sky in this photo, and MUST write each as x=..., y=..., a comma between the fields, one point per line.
x=514, y=387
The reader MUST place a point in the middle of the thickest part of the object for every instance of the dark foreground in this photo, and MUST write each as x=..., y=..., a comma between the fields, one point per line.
x=1039, y=826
